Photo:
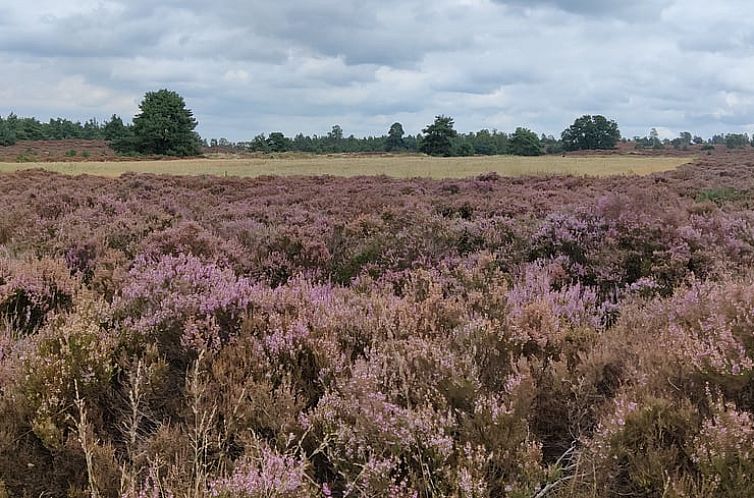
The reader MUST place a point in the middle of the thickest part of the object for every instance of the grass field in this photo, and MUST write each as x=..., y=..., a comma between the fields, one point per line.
x=401, y=167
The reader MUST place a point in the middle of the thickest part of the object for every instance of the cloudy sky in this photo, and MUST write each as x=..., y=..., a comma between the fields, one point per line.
x=252, y=66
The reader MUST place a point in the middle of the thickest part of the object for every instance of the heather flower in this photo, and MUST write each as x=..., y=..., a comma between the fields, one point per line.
x=203, y=300
x=151, y=487
x=728, y=435
x=271, y=475
x=30, y=291
x=542, y=315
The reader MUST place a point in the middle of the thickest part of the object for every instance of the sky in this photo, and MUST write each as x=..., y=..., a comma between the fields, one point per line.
x=249, y=66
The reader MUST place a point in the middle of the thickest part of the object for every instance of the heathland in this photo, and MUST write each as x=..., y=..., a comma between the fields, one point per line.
x=488, y=336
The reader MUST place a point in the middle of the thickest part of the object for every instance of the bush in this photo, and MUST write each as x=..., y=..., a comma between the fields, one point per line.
x=31, y=291
x=182, y=301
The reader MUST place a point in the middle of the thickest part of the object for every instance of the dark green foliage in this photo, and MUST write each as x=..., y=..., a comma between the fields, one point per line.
x=277, y=142
x=259, y=144
x=7, y=134
x=14, y=128
x=464, y=149
x=651, y=142
x=550, y=144
x=524, y=142
x=737, y=140
x=438, y=136
x=335, y=134
x=483, y=143
x=682, y=142
x=591, y=133
x=119, y=136
x=165, y=126
x=721, y=195
x=486, y=143
x=395, y=138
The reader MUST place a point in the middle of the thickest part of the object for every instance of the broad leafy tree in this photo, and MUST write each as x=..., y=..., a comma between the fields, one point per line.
x=524, y=142
x=438, y=137
x=165, y=126
x=277, y=142
x=591, y=133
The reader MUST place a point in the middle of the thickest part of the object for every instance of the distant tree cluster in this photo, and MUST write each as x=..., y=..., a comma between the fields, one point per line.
x=14, y=128
x=438, y=138
x=165, y=126
x=685, y=139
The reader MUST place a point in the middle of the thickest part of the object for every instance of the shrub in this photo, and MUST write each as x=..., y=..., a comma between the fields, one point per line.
x=182, y=299
x=30, y=291
x=269, y=475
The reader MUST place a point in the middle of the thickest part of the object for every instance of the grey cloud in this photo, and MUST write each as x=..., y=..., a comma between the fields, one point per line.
x=247, y=67
x=636, y=10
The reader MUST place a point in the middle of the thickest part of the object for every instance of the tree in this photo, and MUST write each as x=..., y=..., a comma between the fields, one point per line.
x=165, y=126
x=682, y=142
x=437, y=137
x=464, y=149
x=591, y=133
x=736, y=140
x=524, y=142
x=7, y=134
x=277, y=142
x=484, y=143
x=395, y=138
x=119, y=136
x=336, y=133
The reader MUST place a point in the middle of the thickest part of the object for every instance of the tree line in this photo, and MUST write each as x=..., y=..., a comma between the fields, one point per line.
x=14, y=128
x=440, y=138
x=437, y=139
x=165, y=126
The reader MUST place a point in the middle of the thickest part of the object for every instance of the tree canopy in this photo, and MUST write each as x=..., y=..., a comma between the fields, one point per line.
x=438, y=137
x=394, y=139
x=591, y=133
x=165, y=126
x=524, y=142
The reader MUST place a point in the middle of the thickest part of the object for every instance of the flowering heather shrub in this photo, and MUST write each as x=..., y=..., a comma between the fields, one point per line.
x=269, y=475
x=543, y=313
x=723, y=451
x=192, y=240
x=487, y=337
x=72, y=352
x=29, y=291
x=202, y=303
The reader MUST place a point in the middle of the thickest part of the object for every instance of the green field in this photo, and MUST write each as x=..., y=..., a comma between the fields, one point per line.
x=397, y=166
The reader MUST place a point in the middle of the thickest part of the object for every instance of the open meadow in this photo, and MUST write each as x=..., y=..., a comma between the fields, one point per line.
x=296, y=337
x=395, y=166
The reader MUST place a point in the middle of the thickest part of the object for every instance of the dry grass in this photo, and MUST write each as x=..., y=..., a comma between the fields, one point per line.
x=398, y=166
